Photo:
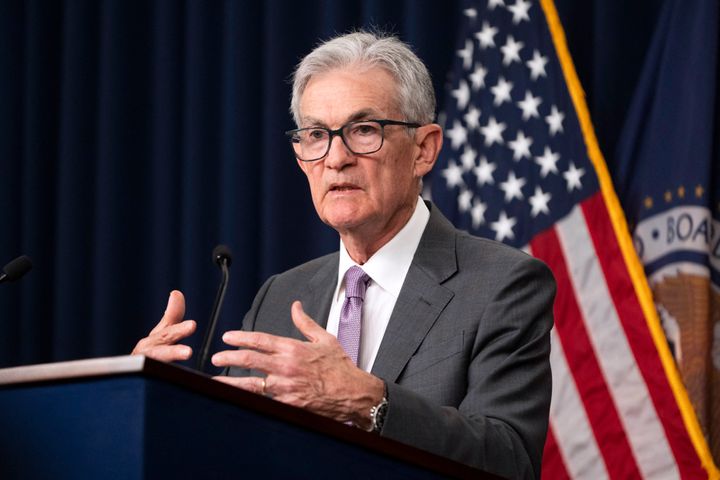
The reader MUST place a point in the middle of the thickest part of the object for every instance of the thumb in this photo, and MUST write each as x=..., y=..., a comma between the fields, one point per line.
x=307, y=326
x=175, y=310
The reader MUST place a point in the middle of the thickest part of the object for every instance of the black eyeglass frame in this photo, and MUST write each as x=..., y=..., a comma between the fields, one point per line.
x=339, y=133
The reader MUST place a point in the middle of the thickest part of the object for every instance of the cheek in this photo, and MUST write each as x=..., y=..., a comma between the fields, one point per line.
x=314, y=178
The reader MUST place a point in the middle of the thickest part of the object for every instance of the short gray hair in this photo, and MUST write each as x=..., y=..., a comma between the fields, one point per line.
x=416, y=96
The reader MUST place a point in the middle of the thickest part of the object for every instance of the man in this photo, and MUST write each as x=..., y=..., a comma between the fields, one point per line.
x=452, y=352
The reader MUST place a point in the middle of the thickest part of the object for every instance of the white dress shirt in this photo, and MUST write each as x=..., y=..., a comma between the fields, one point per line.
x=387, y=269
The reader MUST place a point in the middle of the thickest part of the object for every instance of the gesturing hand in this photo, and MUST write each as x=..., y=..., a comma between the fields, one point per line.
x=316, y=375
x=160, y=344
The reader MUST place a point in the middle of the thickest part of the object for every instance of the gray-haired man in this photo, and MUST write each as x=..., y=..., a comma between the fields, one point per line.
x=443, y=337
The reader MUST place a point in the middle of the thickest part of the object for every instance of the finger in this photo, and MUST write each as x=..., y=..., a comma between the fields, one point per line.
x=174, y=312
x=251, y=384
x=307, y=326
x=166, y=353
x=173, y=333
x=263, y=342
x=250, y=359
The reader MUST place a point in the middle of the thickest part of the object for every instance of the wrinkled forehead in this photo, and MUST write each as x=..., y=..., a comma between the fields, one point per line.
x=349, y=93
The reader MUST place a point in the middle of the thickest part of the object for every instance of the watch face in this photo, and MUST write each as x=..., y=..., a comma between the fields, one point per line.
x=378, y=415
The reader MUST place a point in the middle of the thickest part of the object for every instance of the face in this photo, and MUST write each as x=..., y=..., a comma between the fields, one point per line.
x=369, y=195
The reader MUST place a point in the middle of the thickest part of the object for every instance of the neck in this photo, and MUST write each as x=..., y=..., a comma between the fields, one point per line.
x=362, y=244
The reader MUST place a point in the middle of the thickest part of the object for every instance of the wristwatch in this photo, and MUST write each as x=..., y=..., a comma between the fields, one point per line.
x=377, y=414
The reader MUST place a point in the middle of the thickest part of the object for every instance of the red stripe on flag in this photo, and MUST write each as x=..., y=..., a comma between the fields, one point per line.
x=599, y=406
x=553, y=465
x=636, y=329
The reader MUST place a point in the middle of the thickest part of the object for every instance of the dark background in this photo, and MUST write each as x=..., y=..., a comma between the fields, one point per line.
x=137, y=135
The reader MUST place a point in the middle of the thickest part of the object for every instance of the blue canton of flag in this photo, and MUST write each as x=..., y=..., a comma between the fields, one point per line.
x=516, y=160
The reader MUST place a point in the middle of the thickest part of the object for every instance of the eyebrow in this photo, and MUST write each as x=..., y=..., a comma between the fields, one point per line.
x=363, y=114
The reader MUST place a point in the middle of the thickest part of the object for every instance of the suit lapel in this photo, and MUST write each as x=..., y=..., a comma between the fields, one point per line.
x=317, y=297
x=422, y=297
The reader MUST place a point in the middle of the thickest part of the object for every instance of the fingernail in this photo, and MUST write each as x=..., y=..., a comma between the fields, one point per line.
x=187, y=351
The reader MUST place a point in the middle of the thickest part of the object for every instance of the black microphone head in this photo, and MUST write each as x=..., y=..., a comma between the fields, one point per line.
x=220, y=253
x=17, y=268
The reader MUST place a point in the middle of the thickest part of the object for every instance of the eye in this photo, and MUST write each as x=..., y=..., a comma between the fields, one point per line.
x=313, y=135
x=364, y=129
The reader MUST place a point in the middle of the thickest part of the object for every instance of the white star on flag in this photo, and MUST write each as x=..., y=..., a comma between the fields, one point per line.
x=477, y=78
x=572, y=177
x=503, y=227
x=529, y=106
x=513, y=187
x=548, y=162
x=466, y=54
x=520, y=11
x=486, y=36
x=520, y=146
x=462, y=94
x=484, y=172
x=468, y=158
x=478, y=213
x=554, y=121
x=495, y=3
x=511, y=50
x=470, y=13
x=493, y=132
x=472, y=118
x=539, y=202
x=501, y=91
x=465, y=200
x=537, y=65
x=457, y=135
x=453, y=175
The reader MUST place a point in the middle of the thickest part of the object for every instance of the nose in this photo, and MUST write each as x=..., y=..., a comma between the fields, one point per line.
x=339, y=156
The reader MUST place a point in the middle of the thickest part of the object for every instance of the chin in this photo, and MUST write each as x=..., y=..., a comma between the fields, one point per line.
x=342, y=224
x=342, y=221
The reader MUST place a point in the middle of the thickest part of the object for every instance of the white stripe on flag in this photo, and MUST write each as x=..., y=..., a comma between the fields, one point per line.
x=568, y=418
x=626, y=384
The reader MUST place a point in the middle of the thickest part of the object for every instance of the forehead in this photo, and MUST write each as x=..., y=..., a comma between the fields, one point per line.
x=340, y=95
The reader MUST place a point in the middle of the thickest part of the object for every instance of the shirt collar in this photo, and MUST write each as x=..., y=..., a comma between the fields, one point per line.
x=389, y=265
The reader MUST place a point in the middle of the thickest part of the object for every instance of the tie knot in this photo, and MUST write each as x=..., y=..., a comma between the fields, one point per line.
x=356, y=281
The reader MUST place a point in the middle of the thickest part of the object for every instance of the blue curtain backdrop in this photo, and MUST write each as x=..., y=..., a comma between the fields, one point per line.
x=137, y=135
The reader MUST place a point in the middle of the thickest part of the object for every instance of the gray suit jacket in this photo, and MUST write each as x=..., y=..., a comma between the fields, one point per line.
x=465, y=354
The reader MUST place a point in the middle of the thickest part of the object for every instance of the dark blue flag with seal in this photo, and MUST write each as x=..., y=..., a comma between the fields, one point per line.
x=668, y=180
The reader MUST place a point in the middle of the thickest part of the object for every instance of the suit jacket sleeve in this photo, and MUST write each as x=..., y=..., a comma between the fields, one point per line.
x=499, y=421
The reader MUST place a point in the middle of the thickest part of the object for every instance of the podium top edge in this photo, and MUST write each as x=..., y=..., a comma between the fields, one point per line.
x=73, y=369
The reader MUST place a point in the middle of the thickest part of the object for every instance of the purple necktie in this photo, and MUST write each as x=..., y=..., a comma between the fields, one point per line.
x=356, y=282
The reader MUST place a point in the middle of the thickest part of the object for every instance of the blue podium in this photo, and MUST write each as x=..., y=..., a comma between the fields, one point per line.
x=132, y=417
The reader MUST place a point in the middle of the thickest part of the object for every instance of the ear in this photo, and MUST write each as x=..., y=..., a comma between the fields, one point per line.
x=428, y=140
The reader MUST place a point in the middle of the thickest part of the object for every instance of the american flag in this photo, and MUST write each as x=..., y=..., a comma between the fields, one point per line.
x=521, y=165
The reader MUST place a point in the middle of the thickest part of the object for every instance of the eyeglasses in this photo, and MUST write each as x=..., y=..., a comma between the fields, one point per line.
x=361, y=138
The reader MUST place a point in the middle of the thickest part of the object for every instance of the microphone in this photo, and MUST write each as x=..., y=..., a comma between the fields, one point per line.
x=222, y=256
x=16, y=269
